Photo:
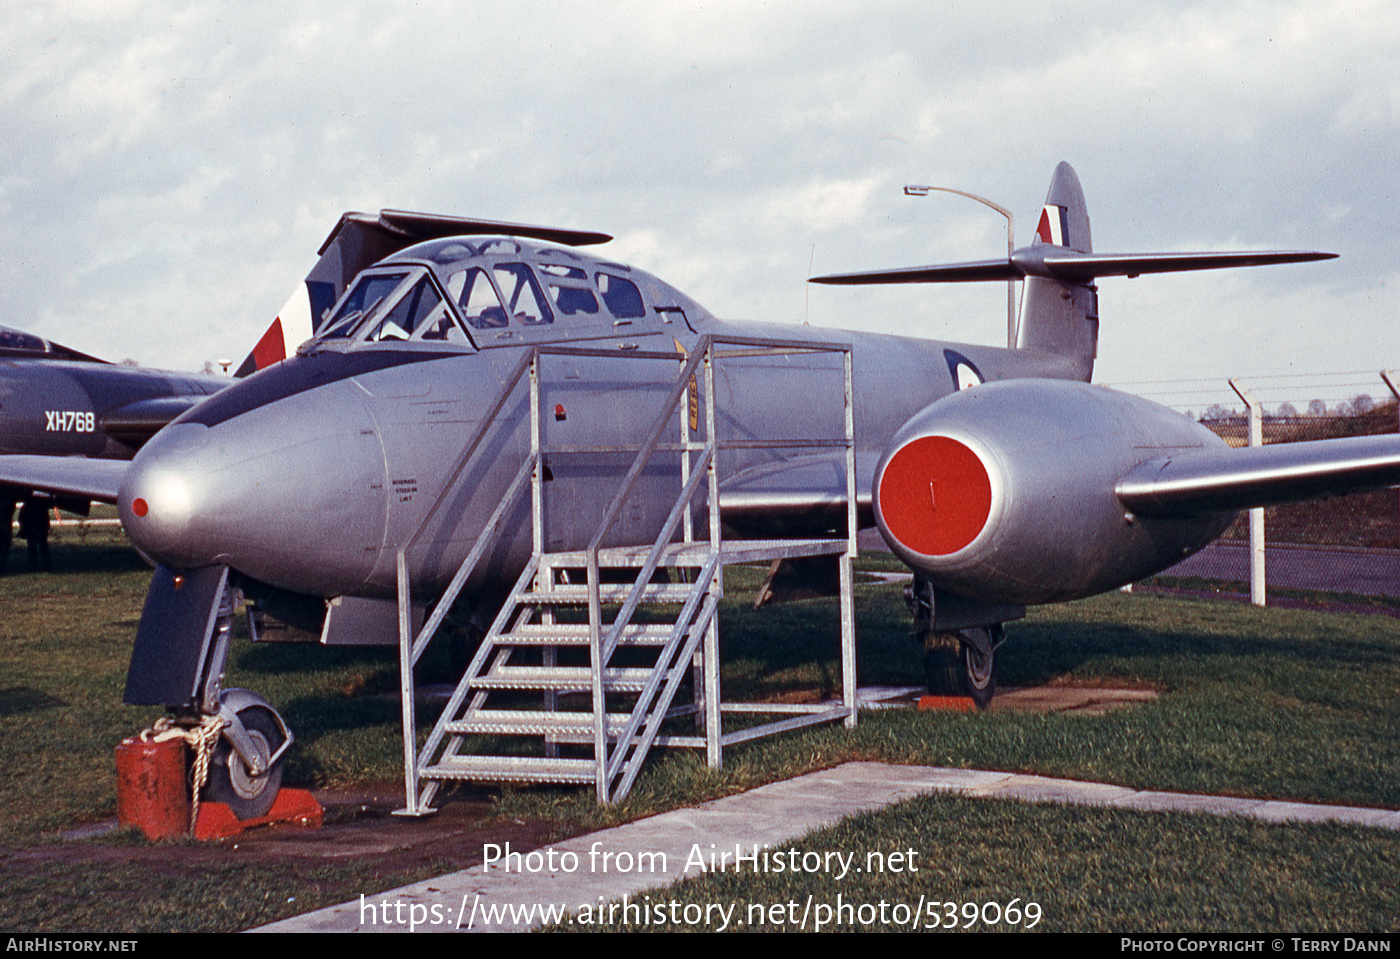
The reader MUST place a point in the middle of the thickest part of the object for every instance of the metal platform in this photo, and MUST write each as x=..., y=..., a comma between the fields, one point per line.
x=574, y=680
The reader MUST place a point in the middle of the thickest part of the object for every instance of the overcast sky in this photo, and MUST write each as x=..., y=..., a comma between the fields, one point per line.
x=169, y=169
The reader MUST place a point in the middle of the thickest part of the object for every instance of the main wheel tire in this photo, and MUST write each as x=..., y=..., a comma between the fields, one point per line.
x=230, y=780
x=979, y=673
x=942, y=666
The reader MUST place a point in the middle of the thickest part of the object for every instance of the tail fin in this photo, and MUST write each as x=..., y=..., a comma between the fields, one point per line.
x=1061, y=316
x=291, y=326
x=1059, y=307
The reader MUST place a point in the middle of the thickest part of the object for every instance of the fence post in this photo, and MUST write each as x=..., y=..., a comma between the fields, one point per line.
x=1387, y=376
x=1256, y=515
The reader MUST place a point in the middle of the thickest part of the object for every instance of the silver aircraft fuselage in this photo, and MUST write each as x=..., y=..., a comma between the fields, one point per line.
x=308, y=475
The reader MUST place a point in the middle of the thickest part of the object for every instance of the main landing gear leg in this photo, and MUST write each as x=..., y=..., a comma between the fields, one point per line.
x=959, y=662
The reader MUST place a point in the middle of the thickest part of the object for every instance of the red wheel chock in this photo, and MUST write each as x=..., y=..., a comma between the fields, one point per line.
x=153, y=795
x=947, y=704
x=217, y=821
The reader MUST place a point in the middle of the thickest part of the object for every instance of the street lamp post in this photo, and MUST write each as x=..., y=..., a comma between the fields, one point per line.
x=914, y=190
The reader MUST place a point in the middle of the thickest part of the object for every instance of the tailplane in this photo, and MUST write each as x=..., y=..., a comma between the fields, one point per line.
x=1059, y=307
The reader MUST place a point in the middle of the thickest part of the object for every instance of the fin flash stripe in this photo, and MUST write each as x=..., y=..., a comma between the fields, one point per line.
x=1053, y=226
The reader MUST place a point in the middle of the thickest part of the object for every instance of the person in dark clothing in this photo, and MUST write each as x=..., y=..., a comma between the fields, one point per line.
x=34, y=527
x=7, y=529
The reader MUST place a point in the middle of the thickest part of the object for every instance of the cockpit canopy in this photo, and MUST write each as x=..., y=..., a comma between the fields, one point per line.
x=496, y=291
x=17, y=343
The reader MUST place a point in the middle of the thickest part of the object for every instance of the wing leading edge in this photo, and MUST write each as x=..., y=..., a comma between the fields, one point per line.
x=77, y=477
x=1197, y=482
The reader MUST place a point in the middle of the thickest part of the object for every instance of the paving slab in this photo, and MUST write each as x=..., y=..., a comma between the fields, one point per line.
x=1275, y=811
x=513, y=893
x=1045, y=789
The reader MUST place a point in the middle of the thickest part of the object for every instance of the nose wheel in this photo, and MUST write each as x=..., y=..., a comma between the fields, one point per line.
x=247, y=779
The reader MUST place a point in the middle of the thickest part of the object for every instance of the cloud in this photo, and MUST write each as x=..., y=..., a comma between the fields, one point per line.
x=170, y=169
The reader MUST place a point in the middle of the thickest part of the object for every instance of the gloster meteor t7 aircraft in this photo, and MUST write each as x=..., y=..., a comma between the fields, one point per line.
x=1000, y=476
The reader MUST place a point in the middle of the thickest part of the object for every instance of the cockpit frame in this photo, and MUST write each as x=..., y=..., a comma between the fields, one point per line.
x=474, y=293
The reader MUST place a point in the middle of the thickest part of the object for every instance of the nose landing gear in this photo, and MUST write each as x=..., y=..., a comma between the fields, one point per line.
x=182, y=646
x=247, y=780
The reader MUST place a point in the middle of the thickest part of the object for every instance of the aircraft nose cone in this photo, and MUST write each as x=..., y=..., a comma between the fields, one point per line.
x=161, y=494
x=291, y=493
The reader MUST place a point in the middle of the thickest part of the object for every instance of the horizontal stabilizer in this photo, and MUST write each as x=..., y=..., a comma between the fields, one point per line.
x=1058, y=263
x=1198, y=482
x=78, y=477
x=971, y=272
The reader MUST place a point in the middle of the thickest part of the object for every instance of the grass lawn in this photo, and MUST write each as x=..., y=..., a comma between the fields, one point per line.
x=1270, y=703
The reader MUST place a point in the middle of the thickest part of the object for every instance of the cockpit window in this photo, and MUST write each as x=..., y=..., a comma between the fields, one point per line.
x=623, y=299
x=569, y=289
x=559, y=269
x=569, y=300
x=368, y=292
x=21, y=342
x=388, y=307
x=498, y=245
x=522, y=294
x=476, y=298
x=419, y=314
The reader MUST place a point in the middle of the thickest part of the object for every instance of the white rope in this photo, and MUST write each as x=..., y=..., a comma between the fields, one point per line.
x=201, y=738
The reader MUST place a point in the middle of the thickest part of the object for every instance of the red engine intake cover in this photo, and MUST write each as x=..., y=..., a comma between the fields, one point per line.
x=935, y=495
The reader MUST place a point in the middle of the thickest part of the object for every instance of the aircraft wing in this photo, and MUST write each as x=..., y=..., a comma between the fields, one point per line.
x=1197, y=482
x=797, y=493
x=76, y=477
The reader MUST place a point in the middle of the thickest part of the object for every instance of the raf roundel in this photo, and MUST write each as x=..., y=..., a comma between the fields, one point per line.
x=935, y=495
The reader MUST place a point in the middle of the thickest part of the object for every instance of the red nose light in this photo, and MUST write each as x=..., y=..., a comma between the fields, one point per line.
x=935, y=495
x=139, y=507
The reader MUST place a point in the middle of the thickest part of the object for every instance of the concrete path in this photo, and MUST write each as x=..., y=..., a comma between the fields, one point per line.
x=602, y=867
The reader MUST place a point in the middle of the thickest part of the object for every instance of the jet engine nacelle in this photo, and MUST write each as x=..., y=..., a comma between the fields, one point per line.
x=1004, y=493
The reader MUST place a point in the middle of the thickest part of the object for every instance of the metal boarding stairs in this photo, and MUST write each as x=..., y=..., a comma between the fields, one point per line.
x=591, y=669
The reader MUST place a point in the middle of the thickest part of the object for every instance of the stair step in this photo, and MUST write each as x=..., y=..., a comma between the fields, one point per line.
x=608, y=592
x=615, y=679
x=534, y=722
x=513, y=769
x=576, y=634
x=692, y=555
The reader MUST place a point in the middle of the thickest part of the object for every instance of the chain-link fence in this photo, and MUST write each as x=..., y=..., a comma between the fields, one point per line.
x=1348, y=545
